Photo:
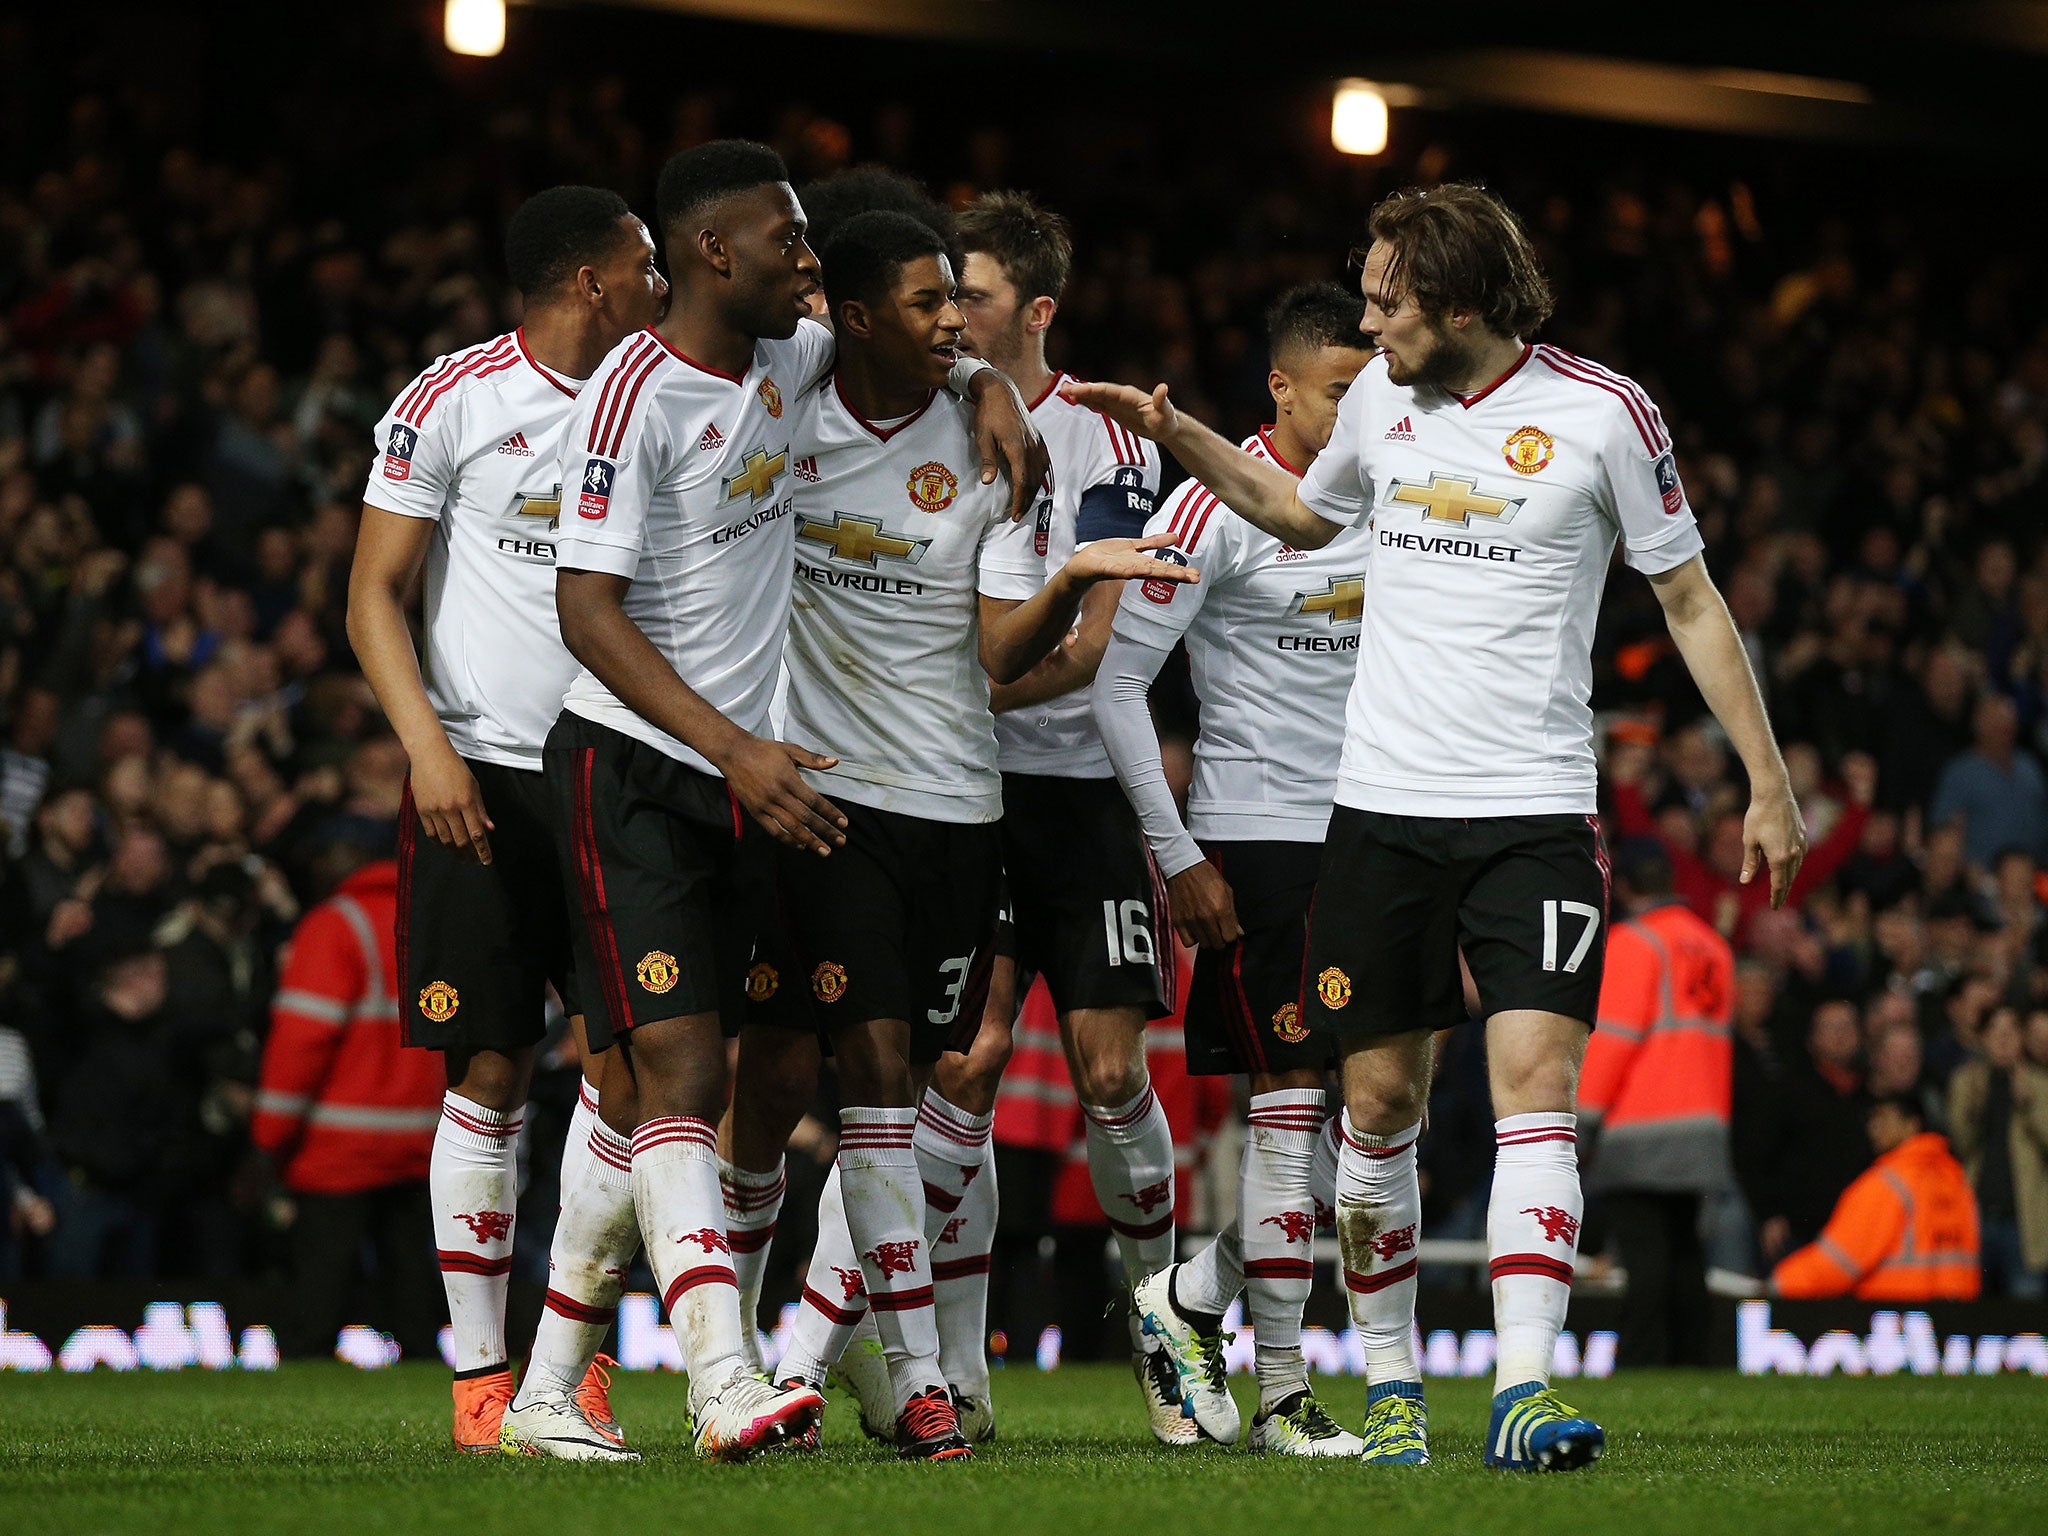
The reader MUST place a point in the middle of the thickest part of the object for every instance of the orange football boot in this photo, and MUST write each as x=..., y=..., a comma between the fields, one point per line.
x=480, y=1404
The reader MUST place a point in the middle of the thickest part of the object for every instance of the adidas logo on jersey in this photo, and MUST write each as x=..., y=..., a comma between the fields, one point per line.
x=807, y=469
x=712, y=438
x=1402, y=431
x=516, y=445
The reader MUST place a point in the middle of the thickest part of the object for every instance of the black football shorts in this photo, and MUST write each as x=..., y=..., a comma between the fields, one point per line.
x=1086, y=901
x=1525, y=897
x=1244, y=1005
x=478, y=943
x=670, y=880
x=897, y=924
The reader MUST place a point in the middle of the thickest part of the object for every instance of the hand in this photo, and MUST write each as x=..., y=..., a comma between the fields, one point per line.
x=1125, y=560
x=1859, y=775
x=1150, y=415
x=1775, y=833
x=763, y=775
x=1007, y=441
x=450, y=805
x=1203, y=908
x=1775, y=1238
x=69, y=919
x=33, y=1215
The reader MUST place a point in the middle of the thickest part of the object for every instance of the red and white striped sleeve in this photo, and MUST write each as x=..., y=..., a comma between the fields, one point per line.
x=615, y=455
x=418, y=442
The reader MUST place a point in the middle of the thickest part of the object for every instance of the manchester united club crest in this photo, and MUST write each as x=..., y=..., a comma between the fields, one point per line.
x=1287, y=1024
x=1334, y=988
x=438, y=1001
x=771, y=397
x=657, y=971
x=828, y=981
x=1528, y=450
x=761, y=982
x=932, y=487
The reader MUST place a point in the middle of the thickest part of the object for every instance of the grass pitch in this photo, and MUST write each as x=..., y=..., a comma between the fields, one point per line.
x=319, y=1448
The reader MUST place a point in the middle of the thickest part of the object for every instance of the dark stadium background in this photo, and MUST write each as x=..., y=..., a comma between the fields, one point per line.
x=1838, y=304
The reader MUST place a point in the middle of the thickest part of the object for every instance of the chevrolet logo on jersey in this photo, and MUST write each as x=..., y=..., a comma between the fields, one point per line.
x=860, y=539
x=1343, y=600
x=548, y=506
x=758, y=474
x=1455, y=499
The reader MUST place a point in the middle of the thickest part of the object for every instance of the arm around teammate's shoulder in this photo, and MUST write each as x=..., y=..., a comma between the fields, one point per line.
x=1262, y=493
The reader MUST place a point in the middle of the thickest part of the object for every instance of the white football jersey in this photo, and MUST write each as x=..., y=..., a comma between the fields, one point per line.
x=679, y=477
x=1272, y=638
x=1493, y=517
x=472, y=444
x=1089, y=451
x=895, y=536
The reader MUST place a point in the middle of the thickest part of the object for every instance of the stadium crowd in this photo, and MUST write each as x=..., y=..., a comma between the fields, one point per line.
x=193, y=350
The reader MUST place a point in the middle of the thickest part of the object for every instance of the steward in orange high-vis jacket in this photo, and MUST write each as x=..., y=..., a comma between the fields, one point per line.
x=341, y=1105
x=347, y=1114
x=1654, y=1099
x=1906, y=1230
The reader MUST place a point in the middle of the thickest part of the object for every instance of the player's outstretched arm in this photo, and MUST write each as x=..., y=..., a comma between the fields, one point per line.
x=763, y=774
x=389, y=549
x=1016, y=636
x=1263, y=494
x=1203, y=907
x=1773, y=832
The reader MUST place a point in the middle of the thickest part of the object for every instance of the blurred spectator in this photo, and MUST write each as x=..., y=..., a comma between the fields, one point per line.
x=1905, y=1230
x=24, y=1212
x=1813, y=1140
x=1995, y=789
x=347, y=1116
x=1998, y=1118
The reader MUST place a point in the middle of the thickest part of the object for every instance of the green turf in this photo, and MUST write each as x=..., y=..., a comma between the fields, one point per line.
x=317, y=1448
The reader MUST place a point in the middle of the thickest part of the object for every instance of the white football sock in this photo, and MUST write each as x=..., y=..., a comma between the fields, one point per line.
x=884, y=1199
x=957, y=1163
x=1210, y=1281
x=835, y=1297
x=1277, y=1223
x=1130, y=1163
x=473, y=1182
x=1322, y=1177
x=596, y=1236
x=1532, y=1236
x=682, y=1215
x=1379, y=1218
x=576, y=1146
x=752, y=1202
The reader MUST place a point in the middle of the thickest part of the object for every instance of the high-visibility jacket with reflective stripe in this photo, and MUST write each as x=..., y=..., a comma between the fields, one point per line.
x=1659, y=1069
x=1906, y=1230
x=341, y=1104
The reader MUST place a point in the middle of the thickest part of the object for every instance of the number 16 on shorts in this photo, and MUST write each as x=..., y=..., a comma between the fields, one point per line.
x=1127, y=928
